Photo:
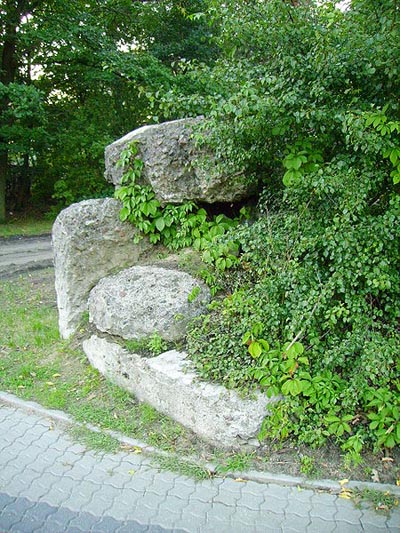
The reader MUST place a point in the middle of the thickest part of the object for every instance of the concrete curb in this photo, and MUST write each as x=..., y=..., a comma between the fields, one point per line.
x=326, y=485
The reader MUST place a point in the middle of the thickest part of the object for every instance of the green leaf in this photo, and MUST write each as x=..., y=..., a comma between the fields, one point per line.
x=160, y=223
x=124, y=213
x=255, y=349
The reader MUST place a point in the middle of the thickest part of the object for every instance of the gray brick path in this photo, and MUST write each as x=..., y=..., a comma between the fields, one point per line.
x=48, y=483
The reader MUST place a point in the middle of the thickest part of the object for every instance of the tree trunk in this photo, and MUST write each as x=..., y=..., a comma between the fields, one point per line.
x=3, y=181
x=8, y=70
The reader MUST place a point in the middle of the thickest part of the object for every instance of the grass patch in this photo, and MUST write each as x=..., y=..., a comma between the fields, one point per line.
x=36, y=364
x=238, y=462
x=381, y=502
x=25, y=227
x=185, y=468
x=100, y=442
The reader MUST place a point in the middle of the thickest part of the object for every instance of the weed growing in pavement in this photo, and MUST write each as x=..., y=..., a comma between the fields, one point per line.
x=382, y=502
x=100, y=442
x=238, y=462
x=185, y=468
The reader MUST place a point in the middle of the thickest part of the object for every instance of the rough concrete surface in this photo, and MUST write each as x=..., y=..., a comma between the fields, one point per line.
x=218, y=415
x=174, y=167
x=90, y=242
x=143, y=300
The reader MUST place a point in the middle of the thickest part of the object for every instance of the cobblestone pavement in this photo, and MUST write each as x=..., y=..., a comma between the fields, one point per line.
x=50, y=484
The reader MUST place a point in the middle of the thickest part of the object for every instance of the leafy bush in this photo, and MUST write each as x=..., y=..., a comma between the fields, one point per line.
x=322, y=269
x=175, y=226
x=304, y=100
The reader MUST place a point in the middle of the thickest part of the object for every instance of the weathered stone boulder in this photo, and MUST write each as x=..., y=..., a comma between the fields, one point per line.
x=89, y=242
x=174, y=167
x=143, y=300
x=218, y=415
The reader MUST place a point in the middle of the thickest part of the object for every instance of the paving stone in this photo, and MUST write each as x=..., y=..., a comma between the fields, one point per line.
x=19, y=506
x=182, y=491
x=371, y=519
x=121, y=511
x=300, y=495
x=295, y=522
x=142, y=514
x=117, y=479
x=81, y=491
x=7, y=520
x=300, y=508
x=277, y=491
x=64, y=485
x=16, y=459
x=133, y=527
x=107, y=494
x=192, y=524
x=393, y=521
x=174, y=503
x=62, y=516
x=273, y=505
x=251, y=501
x=13, y=450
x=349, y=514
x=161, y=485
x=34, y=452
x=235, y=487
x=318, y=525
x=346, y=527
x=5, y=499
x=241, y=528
x=82, y=496
x=201, y=510
x=42, y=511
x=205, y=493
x=138, y=484
x=167, y=520
x=27, y=525
x=85, y=521
x=74, y=529
x=244, y=517
x=325, y=512
x=107, y=524
x=151, y=500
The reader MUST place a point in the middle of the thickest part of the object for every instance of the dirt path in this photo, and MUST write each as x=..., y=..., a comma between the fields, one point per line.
x=21, y=254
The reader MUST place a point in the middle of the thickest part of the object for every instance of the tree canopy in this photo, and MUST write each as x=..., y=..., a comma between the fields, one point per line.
x=74, y=76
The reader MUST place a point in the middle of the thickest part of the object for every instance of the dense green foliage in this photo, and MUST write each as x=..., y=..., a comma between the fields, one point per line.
x=174, y=226
x=304, y=100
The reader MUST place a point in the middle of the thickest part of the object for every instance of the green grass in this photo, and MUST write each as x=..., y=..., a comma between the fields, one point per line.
x=25, y=226
x=381, y=502
x=184, y=467
x=238, y=462
x=99, y=442
x=36, y=364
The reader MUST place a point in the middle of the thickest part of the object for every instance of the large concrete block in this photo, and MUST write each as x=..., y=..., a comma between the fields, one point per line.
x=218, y=415
x=142, y=300
x=90, y=242
x=175, y=167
